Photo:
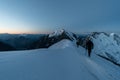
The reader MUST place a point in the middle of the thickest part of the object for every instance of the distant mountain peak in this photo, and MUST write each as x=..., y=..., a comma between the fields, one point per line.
x=57, y=33
x=62, y=33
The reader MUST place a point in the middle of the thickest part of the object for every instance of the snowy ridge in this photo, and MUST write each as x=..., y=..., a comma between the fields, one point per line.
x=108, y=46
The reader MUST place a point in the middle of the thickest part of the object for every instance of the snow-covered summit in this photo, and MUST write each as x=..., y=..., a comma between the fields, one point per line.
x=64, y=33
x=57, y=33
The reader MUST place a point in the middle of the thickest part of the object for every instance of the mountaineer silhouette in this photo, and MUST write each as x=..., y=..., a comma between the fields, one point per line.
x=89, y=46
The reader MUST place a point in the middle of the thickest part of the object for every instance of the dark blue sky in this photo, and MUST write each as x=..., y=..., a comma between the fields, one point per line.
x=37, y=16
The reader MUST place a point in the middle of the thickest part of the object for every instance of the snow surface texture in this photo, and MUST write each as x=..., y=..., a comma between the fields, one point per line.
x=108, y=46
x=62, y=44
x=65, y=63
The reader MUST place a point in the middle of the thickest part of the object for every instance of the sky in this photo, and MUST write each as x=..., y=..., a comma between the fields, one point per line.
x=44, y=16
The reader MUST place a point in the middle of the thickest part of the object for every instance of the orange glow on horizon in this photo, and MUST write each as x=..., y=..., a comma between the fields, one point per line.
x=25, y=32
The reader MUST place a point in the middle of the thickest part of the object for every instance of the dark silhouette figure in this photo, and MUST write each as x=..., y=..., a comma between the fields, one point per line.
x=89, y=46
x=78, y=43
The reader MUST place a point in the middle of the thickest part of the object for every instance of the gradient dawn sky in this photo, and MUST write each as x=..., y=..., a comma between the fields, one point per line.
x=43, y=16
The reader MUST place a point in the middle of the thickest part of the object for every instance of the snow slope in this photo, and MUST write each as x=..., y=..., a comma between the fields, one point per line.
x=108, y=46
x=66, y=63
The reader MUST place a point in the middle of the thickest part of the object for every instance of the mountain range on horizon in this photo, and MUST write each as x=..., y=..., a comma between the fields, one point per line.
x=34, y=41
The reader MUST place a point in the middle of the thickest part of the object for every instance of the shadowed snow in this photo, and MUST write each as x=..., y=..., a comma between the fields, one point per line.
x=65, y=63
